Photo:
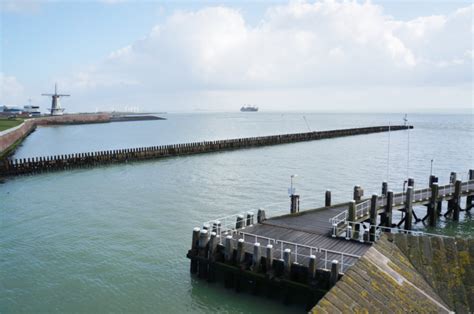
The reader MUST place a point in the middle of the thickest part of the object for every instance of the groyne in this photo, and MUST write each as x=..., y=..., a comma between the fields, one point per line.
x=60, y=162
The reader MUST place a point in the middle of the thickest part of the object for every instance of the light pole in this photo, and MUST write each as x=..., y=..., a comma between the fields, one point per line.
x=408, y=145
x=292, y=190
x=431, y=168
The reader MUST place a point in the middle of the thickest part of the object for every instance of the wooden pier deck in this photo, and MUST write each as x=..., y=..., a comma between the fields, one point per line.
x=308, y=251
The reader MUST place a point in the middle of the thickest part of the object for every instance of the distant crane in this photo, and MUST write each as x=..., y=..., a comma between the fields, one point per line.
x=56, y=109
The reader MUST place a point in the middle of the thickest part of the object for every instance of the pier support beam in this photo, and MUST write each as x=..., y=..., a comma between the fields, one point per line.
x=373, y=217
x=433, y=205
x=327, y=201
x=408, y=208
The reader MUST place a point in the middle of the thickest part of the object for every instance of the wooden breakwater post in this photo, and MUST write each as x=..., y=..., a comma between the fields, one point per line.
x=90, y=159
x=249, y=267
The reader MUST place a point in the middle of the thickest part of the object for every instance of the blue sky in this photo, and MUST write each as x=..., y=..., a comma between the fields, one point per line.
x=44, y=42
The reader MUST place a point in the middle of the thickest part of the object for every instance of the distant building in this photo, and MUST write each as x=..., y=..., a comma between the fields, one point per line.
x=32, y=111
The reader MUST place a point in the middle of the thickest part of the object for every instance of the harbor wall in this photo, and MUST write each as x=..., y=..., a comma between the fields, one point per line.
x=10, y=138
x=59, y=162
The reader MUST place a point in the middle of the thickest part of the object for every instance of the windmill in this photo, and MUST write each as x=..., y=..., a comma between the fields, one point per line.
x=56, y=109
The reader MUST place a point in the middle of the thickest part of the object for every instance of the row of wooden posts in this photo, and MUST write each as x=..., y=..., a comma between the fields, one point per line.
x=59, y=162
x=433, y=205
x=257, y=270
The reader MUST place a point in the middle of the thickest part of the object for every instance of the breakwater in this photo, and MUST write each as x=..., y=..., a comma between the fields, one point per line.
x=68, y=161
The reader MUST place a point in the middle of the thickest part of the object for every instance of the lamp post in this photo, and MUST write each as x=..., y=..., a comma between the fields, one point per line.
x=431, y=167
x=292, y=190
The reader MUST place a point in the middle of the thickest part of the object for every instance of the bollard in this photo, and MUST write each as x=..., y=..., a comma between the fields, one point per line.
x=229, y=250
x=389, y=209
x=212, y=245
x=334, y=273
x=196, y=232
x=327, y=201
x=203, y=241
x=256, y=256
x=269, y=256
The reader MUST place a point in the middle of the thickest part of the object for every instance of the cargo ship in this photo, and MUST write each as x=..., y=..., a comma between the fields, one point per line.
x=247, y=108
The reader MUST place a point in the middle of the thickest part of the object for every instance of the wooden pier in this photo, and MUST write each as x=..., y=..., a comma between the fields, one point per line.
x=91, y=159
x=304, y=253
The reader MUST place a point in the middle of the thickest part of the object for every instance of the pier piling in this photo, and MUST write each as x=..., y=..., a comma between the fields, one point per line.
x=408, y=208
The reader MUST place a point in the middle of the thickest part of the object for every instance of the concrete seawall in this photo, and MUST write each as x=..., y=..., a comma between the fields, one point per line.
x=60, y=162
x=10, y=138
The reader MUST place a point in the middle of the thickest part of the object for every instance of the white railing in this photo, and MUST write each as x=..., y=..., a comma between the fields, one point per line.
x=300, y=252
x=364, y=229
x=422, y=195
x=363, y=209
x=341, y=217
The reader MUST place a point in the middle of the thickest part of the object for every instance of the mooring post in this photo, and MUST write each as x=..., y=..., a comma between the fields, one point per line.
x=295, y=203
x=470, y=198
x=411, y=182
x=456, y=200
x=432, y=207
x=312, y=265
x=287, y=260
x=261, y=215
x=408, y=208
x=256, y=256
x=358, y=193
x=239, y=222
x=389, y=209
x=240, y=251
x=452, y=177
x=384, y=188
x=269, y=256
x=327, y=201
x=373, y=217
x=334, y=273
x=229, y=250
x=203, y=251
x=194, y=248
x=249, y=218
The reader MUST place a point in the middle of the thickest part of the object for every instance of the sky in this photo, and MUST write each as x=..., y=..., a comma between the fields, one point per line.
x=197, y=56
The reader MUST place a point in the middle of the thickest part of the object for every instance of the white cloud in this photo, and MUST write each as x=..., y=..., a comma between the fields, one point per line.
x=11, y=91
x=298, y=45
x=20, y=6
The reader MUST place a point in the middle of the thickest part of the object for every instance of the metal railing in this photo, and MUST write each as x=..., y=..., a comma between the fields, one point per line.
x=362, y=209
x=300, y=252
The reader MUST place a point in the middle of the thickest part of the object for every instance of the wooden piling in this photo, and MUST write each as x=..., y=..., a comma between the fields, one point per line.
x=194, y=247
x=261, y=216
x=456, y=200
x=470, y=198
x=269, y=256
x=408, y=208
x=433, y=205
x=312, y=266
x=373, y=217
x=239, y=222
x=295, y=204
x=256, y=256
x=358, y=193
x=240, y=251
x=287, y=260
x=229, y=248
x=388, y=210
x=327, y=201
x=335, y=267
x=384, y=188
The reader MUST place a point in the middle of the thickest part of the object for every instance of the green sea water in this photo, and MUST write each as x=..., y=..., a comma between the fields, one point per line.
x=114, y=238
